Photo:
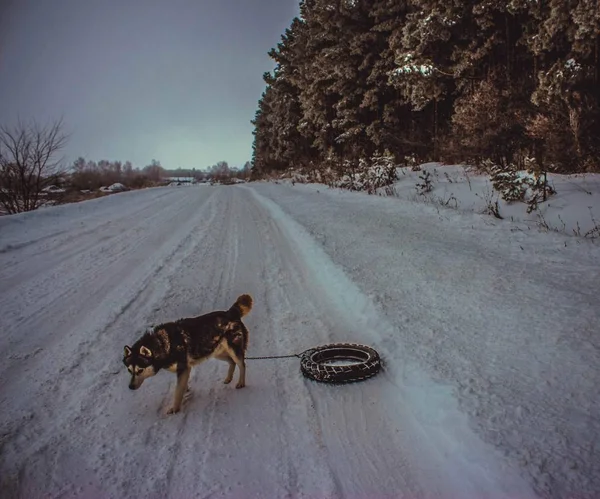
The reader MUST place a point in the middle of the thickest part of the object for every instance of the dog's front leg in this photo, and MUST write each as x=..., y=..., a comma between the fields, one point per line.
x=183, y=375
x=230, y=371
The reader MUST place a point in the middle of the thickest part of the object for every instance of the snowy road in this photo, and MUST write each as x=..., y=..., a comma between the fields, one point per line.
x=489, y=337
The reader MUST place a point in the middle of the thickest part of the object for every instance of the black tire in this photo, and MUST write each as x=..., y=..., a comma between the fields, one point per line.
x=314, y=363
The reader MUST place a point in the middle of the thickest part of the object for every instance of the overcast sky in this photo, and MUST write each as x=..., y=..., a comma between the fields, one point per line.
x=174, y=80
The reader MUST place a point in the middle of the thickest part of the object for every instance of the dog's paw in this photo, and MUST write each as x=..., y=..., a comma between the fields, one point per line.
x=240, y=385
x=227, y=381
x=173, y=410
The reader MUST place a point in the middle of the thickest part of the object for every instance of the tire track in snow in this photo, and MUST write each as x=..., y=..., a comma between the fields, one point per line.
x=282, y=427
x=83, y=348
x=281, y=310
x=433, y=429
x=293, y=288
x=214, y=425
x=91, y=355
x=190, y=292
x=47, y=252
x=228, y=245
x=57, y=230
x=221, y=243
x=161, y=481
x=24, y=305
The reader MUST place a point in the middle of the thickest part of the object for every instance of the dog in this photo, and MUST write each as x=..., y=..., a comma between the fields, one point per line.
x=177, y=346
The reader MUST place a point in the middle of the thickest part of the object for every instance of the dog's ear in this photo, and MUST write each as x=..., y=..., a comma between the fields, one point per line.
x=145, y=352
x=127, y=351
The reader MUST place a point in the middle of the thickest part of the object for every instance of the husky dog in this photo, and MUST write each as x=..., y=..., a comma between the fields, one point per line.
x=177, y=346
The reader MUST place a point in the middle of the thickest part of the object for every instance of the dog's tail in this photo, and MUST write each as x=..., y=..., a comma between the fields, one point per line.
x=242, y=306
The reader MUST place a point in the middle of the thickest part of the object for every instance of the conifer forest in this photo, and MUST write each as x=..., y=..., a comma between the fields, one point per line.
x=514, y=83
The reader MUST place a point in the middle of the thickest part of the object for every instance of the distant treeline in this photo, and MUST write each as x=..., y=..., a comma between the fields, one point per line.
x=86, y=174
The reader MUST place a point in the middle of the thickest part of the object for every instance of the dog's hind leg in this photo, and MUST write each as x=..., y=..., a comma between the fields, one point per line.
x=230, y=371
x=183, y=376
x=238, y=358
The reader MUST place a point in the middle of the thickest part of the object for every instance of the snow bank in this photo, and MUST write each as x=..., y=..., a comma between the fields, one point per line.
x=573, y=210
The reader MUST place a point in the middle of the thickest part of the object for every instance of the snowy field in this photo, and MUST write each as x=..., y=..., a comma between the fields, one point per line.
x=490, y=339
x=573, y=210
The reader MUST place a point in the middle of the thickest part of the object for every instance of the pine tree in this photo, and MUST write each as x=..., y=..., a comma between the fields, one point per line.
x=278, y=143
x=390, y=123
x=565, y=46
x=425, y=75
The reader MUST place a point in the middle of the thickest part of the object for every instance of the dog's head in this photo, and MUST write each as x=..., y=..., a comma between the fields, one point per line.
x=139, y=364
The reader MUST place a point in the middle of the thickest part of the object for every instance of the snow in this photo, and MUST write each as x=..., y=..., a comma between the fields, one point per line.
x=53, y=189
x=573, y=210
x=181, y=179
x=488, y=335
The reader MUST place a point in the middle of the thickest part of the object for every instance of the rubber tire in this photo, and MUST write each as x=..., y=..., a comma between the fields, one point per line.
x=311, y=363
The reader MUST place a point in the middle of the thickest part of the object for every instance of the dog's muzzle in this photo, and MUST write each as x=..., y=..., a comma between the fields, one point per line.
x=134, y=384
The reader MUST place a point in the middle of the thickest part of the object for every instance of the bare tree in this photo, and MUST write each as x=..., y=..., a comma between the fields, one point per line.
x=28, y=164
x=220, y=171
x=246, y=170
x=154, y=171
